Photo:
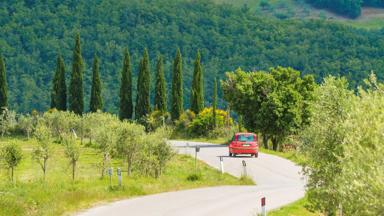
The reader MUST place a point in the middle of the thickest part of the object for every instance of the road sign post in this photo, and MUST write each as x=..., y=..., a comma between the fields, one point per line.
x=222, y=164
x=263, y=208
x=119, y=176
x=244, y=168
x=110, y=172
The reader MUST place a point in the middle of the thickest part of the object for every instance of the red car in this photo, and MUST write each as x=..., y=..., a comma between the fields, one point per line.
x=244, y=143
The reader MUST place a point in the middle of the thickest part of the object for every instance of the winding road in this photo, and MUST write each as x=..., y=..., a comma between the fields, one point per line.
x=277, y=179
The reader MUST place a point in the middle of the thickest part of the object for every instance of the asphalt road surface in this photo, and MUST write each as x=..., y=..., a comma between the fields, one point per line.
x=278, y=180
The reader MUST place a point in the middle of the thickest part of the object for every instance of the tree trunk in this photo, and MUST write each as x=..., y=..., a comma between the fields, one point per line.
x=129, y=170
x=265, y=141
x=73, y=170
x=275, y=144
x=45, y=168
x=12, y=174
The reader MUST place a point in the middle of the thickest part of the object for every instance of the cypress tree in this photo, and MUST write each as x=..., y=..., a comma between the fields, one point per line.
x=160, y=88
x=214, y=103
x=177, y=87
x=96, y=100
x=3, y=86
x=76, y=91
x=59, y=89
x=143, y=106
x=126, y=103
x=197, y=92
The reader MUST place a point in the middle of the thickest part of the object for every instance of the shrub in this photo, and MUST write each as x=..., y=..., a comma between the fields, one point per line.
x=12, y=156
x=185, y=120
x=203, y=123
x=156, y=119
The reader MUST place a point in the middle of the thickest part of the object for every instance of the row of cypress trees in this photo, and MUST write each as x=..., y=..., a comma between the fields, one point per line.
x=126, y=109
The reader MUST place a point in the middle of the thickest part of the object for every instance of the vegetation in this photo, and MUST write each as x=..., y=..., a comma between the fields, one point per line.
x=143, y=104
x=76, y=90
x=59, y=89
x=295, y=209
x=126, y=104
x=177, y=87
x=3, y=85
x=274, y=103
x=345, y=128
x=12, y=155
x=96, y=100
x=197, y=91
x=161, y=87
x=225, y=35
x=58, y=194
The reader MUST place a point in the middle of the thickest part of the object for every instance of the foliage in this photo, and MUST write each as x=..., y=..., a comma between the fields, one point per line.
x=59, y=87
x=185, y=120
x=143, y=104
x=129, y=142
x=351, y=8
x=72, y=152
x=96, y=100
x=7, y=121
x=160, y=87
x=3, y=85
x=214, y=104
x=203, y=124
x=177, y=87
x=274, y=103
x=61, y=123
x=12, y=155
x=226, y=36
x=27, y=124
x=76, y=90
x=126, y=104
x=197, y=90
x=42, y=152
x=157, y=119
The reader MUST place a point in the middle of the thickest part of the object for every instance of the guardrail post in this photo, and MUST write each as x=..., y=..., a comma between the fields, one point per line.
x=244, y=168
x=119, y=176
x=263, y=208
x=221, y=165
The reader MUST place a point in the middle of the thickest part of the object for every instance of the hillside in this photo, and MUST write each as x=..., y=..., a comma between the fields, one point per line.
x=33, y=33
x=369, y=18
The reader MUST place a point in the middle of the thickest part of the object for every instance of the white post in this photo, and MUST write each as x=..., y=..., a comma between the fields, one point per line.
x=110, y=172
x=263, y=208
x=244, y=168
x=221, y=165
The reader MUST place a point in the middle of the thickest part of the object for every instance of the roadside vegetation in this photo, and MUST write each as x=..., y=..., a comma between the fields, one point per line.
x=54, y=172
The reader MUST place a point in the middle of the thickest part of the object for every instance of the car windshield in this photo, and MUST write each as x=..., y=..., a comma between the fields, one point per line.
x=245, y=138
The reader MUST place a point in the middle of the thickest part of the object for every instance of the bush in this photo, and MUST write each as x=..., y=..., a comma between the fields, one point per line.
x=156, y=119
x=12, y=156
x=202, y=125
x=185, y=120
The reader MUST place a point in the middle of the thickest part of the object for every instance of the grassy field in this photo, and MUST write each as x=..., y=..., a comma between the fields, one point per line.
x=295, y=209
x=58, y=195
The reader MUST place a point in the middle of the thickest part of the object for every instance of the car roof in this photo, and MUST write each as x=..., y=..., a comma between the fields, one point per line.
x=244, y=133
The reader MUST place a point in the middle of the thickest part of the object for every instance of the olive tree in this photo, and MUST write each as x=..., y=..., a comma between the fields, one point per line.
x=7, y=121
x=12, y=156
x=26, y=123
x=323, y=143
x=72, y=152
x=42, y=152
x=130, y=138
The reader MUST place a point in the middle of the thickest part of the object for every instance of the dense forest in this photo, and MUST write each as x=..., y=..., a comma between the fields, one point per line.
x=351, y=8
x=33, y=33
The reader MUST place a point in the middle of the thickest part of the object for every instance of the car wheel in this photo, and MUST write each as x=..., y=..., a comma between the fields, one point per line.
x=234, y=155
x=256, y=155
x=230, y=154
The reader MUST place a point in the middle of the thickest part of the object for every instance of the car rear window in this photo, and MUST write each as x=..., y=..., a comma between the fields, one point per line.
x=245, y=138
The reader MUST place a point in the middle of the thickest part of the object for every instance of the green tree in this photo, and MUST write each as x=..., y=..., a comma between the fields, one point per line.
x=177, y=87
x=272, y=103
x=214, y=103
x=160, y=89
x=143, y=106
x=76, y=91
x=197, y=91
x=126, y=104
x=96, y=100
x=59, y=89
x=42, y=152
x=324, y=141
x=72, y=152
x=3, y=85
x=12, y=156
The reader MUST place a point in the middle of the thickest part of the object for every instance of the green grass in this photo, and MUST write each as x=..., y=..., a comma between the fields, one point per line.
x=58, y=195
x=294, y=209
x=290, y=155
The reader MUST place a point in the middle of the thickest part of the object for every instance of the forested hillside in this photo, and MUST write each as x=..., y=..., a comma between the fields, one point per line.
x=33, y=33
x=351, y=8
